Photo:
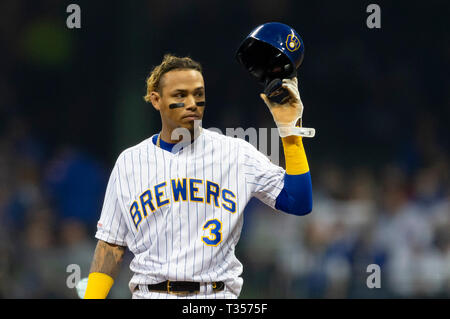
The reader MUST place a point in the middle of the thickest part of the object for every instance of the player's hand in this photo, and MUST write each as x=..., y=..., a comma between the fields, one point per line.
x=292, y=110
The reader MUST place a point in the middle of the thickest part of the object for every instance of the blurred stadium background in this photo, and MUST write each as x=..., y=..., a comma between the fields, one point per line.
x=71, y=101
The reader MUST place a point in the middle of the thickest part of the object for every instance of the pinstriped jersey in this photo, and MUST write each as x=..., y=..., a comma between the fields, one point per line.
x=181, y=214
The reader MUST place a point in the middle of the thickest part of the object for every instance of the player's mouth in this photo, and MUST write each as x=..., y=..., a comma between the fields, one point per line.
x=191, y=117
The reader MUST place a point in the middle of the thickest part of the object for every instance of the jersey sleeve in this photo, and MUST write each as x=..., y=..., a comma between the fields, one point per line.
x=111, y=226
x=264, y=179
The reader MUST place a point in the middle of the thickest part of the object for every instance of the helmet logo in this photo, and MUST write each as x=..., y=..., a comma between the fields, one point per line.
x=292, y=43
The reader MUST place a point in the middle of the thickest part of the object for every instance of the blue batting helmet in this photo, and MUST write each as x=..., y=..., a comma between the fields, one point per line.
x=272, y=50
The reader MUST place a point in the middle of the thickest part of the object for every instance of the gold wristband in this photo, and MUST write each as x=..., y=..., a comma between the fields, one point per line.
x=295, y=156
x=98, y=285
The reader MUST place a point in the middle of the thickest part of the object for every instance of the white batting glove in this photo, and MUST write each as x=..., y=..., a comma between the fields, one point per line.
x=287, y=115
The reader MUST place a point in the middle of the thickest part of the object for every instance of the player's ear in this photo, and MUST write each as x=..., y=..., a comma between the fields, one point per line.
x=155, y=99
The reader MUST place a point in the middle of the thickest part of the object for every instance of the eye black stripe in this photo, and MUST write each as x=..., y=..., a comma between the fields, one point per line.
x=176, y=105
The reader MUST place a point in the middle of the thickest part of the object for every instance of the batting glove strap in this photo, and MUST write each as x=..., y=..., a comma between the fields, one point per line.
x=288, y=130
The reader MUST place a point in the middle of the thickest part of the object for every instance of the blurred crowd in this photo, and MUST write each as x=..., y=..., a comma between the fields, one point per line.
x=49, y=206
x=71, y=100
x=360, y=217
x=393, y=214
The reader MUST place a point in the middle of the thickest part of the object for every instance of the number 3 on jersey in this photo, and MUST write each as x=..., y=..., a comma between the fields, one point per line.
x=215, y=236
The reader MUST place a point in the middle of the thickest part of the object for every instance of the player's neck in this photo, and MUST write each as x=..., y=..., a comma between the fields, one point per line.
x=166, y=135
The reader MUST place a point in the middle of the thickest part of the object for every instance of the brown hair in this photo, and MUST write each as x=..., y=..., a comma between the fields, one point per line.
x=170, y=62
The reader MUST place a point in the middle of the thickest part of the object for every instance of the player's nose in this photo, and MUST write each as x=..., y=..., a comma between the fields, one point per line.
x=190, y=103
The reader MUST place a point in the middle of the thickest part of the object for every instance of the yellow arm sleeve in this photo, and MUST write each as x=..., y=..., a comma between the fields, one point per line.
x=98, y=286
x=295, y=156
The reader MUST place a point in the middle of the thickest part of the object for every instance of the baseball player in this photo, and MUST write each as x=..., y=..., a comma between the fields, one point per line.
x=179, y=210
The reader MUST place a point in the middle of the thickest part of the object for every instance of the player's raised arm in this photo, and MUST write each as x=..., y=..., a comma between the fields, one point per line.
x=272, y=53
x=104, y=269
x=296, y=196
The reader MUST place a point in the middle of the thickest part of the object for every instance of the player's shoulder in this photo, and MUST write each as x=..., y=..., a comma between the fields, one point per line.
x=139, y=148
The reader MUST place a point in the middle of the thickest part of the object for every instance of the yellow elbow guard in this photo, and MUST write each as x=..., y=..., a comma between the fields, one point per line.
x=98, y=286
x=294, y=153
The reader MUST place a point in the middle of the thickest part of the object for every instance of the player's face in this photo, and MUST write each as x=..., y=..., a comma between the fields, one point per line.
x=180, y=86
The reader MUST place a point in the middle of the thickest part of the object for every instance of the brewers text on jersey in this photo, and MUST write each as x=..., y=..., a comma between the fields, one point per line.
x=186, y=189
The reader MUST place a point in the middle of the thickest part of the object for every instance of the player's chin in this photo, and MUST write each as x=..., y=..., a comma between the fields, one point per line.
x=190, y=119
x=187, y=127
x=190, y=125
x=190, y=122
